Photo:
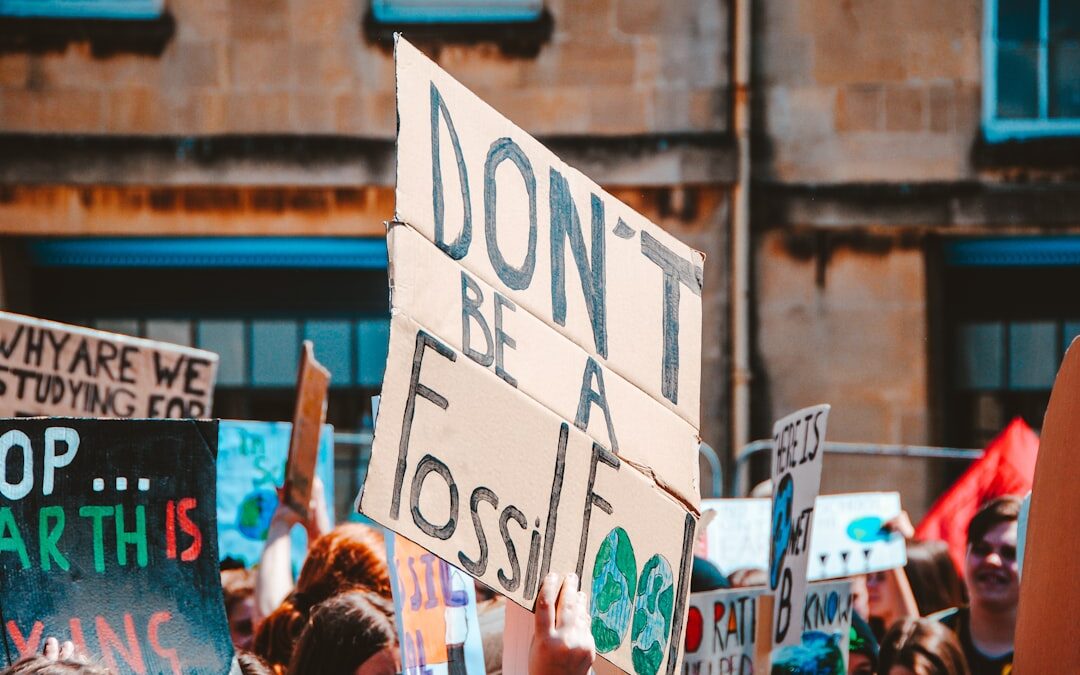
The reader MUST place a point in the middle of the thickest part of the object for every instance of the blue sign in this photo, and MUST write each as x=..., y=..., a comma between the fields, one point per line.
x=250, y=468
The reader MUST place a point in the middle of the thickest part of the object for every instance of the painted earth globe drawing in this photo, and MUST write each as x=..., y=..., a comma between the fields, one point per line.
x=256, y=510
x=652, y=615
x=614, y=579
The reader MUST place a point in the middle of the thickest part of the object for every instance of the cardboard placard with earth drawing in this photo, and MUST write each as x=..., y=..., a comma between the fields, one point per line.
x=540, y=406
x=50, y=368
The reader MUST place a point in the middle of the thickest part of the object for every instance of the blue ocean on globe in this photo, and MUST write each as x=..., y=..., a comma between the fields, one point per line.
x=256, y=510
x=614, y=581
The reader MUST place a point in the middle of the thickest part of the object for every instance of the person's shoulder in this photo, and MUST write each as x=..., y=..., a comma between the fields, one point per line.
x=949, y=617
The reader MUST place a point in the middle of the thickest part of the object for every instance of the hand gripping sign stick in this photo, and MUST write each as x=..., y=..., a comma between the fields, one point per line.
x=312, y=384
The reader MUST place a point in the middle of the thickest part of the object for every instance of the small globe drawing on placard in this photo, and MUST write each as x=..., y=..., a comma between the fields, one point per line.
x=253, y=516
x=614, y=581
x=652, y=615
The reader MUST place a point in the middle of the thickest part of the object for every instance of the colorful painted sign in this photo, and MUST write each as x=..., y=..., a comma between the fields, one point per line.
x=435, y=606
x=540, y=404
x=107, y=540
x=798, y=454
x=250, y=467
x=50, y=368
x=847, y=538
x=721, y=635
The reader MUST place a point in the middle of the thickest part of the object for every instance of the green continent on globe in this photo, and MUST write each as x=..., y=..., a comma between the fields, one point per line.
x=614, y=580
x=652, y=615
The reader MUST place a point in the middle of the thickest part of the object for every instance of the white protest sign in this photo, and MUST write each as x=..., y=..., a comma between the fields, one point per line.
x=53, y=369
x=549, y=240
x=798, y=441
x=538, y=414
x=720, y=631
x=847, y=537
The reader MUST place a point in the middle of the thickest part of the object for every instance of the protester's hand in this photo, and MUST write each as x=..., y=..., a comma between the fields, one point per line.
x=285, y=516
x=57, y=651
x=318, y=520
x=562, y=640
x=900, y=524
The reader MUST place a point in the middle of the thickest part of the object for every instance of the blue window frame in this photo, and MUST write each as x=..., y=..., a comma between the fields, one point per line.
x=83, y=9
x=456, y=11
x=1031, y=69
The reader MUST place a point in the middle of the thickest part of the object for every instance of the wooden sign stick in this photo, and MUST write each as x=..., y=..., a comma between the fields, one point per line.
x=312, y=384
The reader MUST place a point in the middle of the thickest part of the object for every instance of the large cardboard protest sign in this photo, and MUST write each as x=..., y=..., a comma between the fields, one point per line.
x=848, y=535
x=1049, y=597
x=250, y=467
x=721, y=632
x=524, y=368
x=107, y=538
x=798, y=442
x=50, y=368
x=312, y=386
x=435, y=608
x=554, y=245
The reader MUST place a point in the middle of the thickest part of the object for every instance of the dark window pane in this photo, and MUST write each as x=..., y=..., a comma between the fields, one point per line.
x=1017, y=82
x=275, y=352
x=1033, y=354
x=1065, y=78
x=1018, y=20
x=373, y=341
x=1064, y=19
x=981, y=354
x=227, y=339
x=333, y=349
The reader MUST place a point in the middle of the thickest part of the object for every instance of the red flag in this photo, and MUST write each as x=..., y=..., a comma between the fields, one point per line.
x=1006, y=468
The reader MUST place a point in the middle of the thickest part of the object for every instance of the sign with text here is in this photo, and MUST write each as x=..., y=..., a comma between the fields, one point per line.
x=798, y=451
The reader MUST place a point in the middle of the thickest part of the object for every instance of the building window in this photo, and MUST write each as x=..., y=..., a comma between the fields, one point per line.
x=1031, y=77
x=456, y=11
x=83, y=9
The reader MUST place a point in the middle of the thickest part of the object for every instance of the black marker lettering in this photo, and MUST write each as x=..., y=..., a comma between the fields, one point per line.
x=565, y=224
x=597, y=396
x=679, y=614
x=428, y=465
x=514, y=580
x=517, y=278
x=423, y=341
x=556, y=495
x=501, y=338
x=479, y=566
x=534, y=559
x=599, y=454
x=460, y=246
x=677, y=272
x=472, y=299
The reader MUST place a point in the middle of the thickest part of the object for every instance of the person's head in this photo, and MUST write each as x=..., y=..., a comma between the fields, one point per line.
x=705, y=576
x=921, y=647
x=933, y=577
x=860, y=596
x=748, y=577
x=349, y=634
x=880, y=594
x=351, y=556
x=238, y=587
x=862, y=648
x=41, y=665
x=990, y=568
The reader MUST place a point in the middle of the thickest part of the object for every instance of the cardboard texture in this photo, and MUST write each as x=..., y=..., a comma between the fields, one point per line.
x=484, y=476
x=250, y=467
x=464, y=312
x=435, y=608
x=721, y=631
x=847, y=537
x=539, y=410
x=1049, y=600
x=796, y=477
x=50, y=368
x=546, y=237
x=312, y=385
x=107, y=539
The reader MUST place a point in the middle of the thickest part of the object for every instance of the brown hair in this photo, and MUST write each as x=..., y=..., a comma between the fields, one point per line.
x=344, y=632
x=934, y=580
x=351, y=556
x=251, y=664
x=923, y=646
x=39, y=665
x=1001, y=510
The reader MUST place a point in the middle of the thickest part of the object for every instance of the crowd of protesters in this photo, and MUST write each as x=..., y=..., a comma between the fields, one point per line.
x=338, y=617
